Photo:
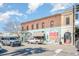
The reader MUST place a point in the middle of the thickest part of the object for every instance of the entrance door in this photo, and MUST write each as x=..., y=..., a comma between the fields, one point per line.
x=67, y=37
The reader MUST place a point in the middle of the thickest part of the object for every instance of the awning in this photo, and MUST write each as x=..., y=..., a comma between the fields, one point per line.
x=38, y=34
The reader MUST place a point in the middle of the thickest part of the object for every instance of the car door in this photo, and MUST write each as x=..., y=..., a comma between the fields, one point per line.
x=4, y=40
x=8, y=41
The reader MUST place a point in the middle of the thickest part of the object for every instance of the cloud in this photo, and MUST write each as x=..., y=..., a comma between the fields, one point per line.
x=7, y=14
x=59, y=6
x=33, y=7
x=1, y=4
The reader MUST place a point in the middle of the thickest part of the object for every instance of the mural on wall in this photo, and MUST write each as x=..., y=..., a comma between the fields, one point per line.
x=53, y=35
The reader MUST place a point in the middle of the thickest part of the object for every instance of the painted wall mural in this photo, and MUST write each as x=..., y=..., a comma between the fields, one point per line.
x=53, y=35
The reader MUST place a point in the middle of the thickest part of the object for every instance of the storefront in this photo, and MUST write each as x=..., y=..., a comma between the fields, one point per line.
x=39, y=35
x=55, y=35
x=56, y=29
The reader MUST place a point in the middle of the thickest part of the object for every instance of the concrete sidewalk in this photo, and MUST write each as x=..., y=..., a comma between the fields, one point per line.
x=63, y=50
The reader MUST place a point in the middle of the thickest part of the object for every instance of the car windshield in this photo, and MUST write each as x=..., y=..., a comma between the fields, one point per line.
x=13, y=38
x=4, y=38
x=9, y=38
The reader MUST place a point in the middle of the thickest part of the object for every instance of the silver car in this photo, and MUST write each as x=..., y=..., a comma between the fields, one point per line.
x=11, y=41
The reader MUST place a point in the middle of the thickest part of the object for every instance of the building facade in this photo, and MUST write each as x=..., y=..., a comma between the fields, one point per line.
x=55, y=29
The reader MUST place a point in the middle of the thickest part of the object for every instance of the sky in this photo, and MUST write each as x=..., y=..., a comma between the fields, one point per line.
x=23, y=12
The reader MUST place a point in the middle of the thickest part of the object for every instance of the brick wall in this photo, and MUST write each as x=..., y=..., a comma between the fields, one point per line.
x=46, y=22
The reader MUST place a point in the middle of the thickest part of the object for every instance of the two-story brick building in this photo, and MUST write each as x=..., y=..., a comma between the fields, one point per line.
x=53, y=29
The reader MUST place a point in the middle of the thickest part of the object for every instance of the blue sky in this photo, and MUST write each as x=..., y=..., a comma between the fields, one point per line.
x=28, y=11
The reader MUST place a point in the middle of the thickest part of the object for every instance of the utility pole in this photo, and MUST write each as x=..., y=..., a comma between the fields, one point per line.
x=74, y=10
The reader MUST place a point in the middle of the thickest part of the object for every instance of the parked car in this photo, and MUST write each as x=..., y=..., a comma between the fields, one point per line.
x=11, y=41
x=35, y=41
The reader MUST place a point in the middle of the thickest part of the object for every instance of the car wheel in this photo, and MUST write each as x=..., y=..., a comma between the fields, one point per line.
x=36, y=42
x=27, y=42
x=19, y=44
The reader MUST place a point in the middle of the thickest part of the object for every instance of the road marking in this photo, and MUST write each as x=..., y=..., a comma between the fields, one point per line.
x=58, y=51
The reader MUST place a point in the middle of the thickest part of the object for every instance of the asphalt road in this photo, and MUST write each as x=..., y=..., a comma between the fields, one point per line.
x=40, y=50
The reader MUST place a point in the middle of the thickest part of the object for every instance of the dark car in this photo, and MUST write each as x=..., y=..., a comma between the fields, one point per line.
x=2, y=50
x=11, y=41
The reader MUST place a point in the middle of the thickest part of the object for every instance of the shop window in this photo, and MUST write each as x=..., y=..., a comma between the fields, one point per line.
x=67, y=20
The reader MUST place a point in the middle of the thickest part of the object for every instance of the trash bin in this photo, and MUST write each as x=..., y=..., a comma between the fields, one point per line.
x=60, y=43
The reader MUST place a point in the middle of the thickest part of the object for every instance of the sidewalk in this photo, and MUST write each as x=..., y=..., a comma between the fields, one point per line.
x=55, y=50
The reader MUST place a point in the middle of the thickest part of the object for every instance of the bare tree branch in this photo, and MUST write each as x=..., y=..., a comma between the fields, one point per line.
x=12, y=26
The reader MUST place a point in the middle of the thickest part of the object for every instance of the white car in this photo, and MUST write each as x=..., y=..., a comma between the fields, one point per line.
x=35, y=41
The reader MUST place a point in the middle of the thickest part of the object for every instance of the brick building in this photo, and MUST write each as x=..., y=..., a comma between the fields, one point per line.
x=53, y=29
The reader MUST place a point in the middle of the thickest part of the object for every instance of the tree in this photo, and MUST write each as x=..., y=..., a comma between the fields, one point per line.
x=12, y=26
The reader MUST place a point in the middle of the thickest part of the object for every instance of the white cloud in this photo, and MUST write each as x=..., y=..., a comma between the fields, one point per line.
x=1, y=4
x=33, y=7
x=13, y=12
x=58, y=6
x=6, y=15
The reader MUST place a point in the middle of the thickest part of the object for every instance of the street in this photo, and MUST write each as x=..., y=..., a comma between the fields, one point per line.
x=40, y=50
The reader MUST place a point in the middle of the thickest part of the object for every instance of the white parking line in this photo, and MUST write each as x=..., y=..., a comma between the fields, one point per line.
x=58, y=51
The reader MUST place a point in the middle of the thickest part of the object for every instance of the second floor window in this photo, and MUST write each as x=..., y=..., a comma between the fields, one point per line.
x=67, y=20
x=42, y=24
x=22, y=28
x=27, y=28
x=37, y=26
x=51, y=23
x=32, y=26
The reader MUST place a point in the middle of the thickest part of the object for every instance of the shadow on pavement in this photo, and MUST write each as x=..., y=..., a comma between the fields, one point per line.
x=26, y=51
x=3, y=51
x=18, y=45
